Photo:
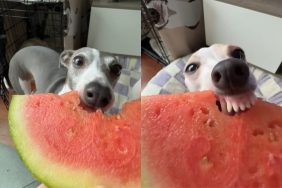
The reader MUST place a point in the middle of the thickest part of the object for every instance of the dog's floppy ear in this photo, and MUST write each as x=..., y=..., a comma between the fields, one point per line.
x=65, y=57
x=117, y=57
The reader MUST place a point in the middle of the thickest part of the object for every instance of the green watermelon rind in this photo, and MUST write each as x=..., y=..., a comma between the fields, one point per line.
x=25, y=148
x=22, y=142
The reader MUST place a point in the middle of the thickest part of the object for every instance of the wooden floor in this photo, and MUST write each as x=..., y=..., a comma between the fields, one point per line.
x=149, y=67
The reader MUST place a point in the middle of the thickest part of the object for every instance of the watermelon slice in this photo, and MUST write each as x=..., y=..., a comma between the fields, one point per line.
x=65, y=146
x=188, y=143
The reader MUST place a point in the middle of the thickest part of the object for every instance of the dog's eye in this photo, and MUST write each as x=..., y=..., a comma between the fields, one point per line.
x=191, y=68
x=238, y=54
x=78, y=61
x=115, y=69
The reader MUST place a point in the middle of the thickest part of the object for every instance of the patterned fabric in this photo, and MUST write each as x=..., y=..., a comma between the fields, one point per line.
x=171, y=80
x=131, y=72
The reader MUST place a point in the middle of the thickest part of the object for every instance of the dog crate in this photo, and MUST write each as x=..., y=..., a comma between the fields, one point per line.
x=25, y=22
x=177, y=27
x=152, y=43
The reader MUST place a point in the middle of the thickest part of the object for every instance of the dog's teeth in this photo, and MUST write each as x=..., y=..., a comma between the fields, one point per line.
x=248, y=105
x=235, y=107
x=253, y=101
x=242, y=107
x=229, y=106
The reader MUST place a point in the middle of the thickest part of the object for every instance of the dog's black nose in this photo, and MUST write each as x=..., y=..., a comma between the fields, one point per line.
x=230, y=75
x=97, y=95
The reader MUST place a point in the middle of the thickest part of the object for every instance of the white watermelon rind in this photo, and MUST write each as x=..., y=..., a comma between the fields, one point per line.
x=42, y=168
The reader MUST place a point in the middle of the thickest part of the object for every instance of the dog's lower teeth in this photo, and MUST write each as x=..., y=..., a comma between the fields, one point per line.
x=229, y=106
x=253, y=100
x=235, y=107
x=242, y=107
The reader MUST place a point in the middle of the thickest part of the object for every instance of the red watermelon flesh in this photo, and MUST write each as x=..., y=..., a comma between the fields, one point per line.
x=187, y=142
x=65, y=146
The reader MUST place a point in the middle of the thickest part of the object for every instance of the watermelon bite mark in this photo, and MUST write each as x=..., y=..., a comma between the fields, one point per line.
x=196, y=145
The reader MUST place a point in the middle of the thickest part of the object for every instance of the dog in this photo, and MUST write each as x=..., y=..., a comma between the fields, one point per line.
x=88, y=71
x=222, y=69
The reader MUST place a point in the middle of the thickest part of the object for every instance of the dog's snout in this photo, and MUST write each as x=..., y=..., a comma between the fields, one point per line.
x=230, y=75
x=97, y=95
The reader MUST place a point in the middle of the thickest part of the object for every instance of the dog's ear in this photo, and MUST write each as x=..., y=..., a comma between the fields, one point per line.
x=65, y=58
x=117, y=58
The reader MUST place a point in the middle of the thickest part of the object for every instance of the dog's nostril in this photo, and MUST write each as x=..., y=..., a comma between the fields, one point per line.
x=89, y=94
x=216, y=77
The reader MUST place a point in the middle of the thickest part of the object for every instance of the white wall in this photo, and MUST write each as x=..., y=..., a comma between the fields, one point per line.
x=259, y=34
x=115, y=30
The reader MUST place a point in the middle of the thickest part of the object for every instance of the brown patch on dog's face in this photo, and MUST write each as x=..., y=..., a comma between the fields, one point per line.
x=237, y=53
x=222, y=51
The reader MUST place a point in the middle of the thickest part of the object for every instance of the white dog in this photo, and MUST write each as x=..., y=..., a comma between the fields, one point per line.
x=224, y=70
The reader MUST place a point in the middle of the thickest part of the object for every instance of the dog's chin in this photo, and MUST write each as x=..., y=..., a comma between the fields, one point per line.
x=88, y=108
x=93, y=108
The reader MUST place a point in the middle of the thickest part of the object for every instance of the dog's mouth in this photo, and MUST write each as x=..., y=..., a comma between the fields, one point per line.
x=96, y=96
x=234, y=85
x=88, y=108
x=249, y=86
x=236, y=103
x=232, y=77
